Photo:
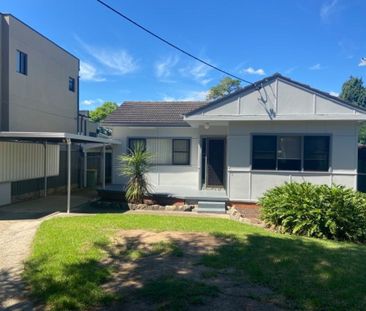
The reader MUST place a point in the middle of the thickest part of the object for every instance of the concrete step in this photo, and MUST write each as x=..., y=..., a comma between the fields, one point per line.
x=211, y=207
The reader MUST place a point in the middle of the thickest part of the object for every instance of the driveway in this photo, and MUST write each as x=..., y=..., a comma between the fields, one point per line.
x=18, y=225
x=15, y=241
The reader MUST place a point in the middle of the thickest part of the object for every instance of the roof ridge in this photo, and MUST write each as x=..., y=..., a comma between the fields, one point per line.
x=164, y=101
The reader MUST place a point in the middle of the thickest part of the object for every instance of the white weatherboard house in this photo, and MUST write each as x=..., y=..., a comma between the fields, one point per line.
x=238, y=146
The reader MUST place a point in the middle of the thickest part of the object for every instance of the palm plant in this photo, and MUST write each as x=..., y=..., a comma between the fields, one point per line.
x=135, y=165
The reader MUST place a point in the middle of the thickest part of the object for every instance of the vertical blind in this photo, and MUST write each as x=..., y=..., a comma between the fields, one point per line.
x=165, y=151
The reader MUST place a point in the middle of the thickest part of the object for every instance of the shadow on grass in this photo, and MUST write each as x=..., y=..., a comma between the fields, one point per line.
x=75, y=286
x=315, y=275
x=13, y=294
x=102, y=207
x=311, y=274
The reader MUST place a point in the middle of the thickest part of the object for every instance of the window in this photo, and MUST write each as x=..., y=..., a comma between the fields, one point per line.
x=316, y=153
x=134, y=142
x=181, y=151
x=290, y=153
x=160, y=149
x=165, y=151
x=264, y=152
x=71, y=84
x=22, y=62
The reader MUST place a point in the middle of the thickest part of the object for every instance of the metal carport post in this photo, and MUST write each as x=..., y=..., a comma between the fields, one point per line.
x=65, y=138
x=103, y=166
x=68, y=143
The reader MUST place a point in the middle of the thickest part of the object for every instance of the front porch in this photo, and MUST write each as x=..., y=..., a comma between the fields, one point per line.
x=183, y=193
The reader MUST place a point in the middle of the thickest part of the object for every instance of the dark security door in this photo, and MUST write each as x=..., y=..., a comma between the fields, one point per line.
x=215, y=162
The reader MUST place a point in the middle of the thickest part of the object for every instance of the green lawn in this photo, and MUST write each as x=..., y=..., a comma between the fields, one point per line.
x=65, y=270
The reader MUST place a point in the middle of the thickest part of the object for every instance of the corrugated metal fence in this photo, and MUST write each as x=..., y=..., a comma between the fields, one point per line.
x=37, y=184
x=21, y=161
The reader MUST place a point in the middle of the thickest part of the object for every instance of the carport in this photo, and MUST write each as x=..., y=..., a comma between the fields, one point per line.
x=62, y=138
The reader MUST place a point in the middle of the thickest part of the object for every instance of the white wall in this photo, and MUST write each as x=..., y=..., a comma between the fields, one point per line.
x=243, y=183
x=248, y=185
x=278, y=100
x=40, y=100
x=174, y=176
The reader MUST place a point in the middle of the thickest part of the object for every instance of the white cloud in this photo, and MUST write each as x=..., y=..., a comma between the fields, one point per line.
x=316, y=67
x=163, y=68
x=117, y=61
x=334, y=93
x=199, y=72
x=190, y=96
x=327, y=9
x=362, y=62
x=252, y=71
x=92, y=102
x=89, y=73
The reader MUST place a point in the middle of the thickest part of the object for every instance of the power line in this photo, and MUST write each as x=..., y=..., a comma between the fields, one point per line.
x=171, y=44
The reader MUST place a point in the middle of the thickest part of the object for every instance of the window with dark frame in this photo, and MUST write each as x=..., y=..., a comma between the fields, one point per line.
x=134, y=142
x=181, y=151
x=316, y=153
x=264, y=152
x=290, y=153
x=22, y=62
x=71, y=84
x=165, y=151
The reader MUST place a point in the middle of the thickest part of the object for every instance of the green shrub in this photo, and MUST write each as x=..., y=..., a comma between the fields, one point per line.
x=318, y=211
x=135, y=165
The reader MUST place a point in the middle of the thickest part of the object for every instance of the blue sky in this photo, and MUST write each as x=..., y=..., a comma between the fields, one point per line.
x=317, y=42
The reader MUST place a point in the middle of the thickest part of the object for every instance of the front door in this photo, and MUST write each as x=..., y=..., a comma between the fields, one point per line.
x=215, y=168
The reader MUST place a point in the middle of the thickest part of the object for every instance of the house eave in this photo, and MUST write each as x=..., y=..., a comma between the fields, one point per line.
x=302, y=117
x=145, y=125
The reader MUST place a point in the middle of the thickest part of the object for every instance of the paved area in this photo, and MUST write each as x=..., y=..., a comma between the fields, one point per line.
x=18, y=225
x=15, y=241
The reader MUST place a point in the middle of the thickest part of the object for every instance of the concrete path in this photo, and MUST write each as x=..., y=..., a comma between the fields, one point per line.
x=18, y=225
x=15, y=242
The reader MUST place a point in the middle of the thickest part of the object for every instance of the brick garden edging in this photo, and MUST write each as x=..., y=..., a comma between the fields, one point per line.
x=245, y=213
x=240, y=212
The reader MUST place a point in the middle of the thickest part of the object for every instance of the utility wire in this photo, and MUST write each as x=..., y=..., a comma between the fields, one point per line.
x=171, y=44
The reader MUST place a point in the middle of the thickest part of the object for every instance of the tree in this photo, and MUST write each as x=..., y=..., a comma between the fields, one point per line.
x=135, y=165
x=225, y=87
x=100, y=113
x=354, y=91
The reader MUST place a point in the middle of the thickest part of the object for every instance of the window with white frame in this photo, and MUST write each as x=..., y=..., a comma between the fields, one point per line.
x=165, y=151
x=290, y=153
x=181, y=151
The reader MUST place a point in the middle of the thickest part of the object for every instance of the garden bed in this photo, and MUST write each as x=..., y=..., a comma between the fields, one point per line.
x=157, y=207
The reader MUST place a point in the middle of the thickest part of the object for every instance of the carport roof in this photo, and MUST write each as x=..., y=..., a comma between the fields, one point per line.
x=55, y=137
